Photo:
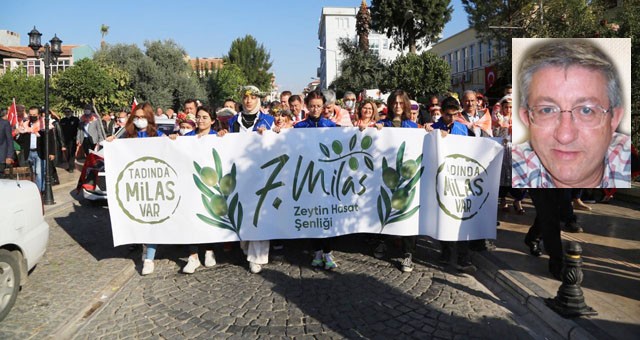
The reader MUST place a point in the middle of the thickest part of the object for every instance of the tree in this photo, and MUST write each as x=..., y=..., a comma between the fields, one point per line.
x=419, y=75
x=159, y=75
x=410, y=21
x=253, y=60
x=363, y=23
x=224, y=83
x=104, y=30
x=88, y=81
x=27, y=90
x=359, y=69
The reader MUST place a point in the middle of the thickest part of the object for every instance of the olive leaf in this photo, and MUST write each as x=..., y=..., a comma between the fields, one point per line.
x=368, y=162
x=203, y=188
x=400, y=156
x=380, y=213
x=352, y=142
x=325, y=150
x=240, y=215
x=404, y=216
x=218, y=163
x=232, y=209
x=387, y=202
x=415, y=178
x=197, y=166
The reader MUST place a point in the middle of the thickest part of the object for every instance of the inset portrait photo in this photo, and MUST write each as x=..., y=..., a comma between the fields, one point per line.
x=572, y=113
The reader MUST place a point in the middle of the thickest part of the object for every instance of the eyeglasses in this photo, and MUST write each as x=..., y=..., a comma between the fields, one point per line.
x=584, y=116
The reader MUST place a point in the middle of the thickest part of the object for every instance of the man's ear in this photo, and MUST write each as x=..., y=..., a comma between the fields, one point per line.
x=617, y=113
x=524, y=116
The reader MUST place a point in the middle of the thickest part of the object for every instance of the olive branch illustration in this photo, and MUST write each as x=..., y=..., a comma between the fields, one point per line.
x=393, y=205
x=215, y=190
x=337, y=148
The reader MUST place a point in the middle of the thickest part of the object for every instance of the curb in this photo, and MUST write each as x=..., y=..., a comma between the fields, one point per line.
x=533, y=298
x=68, y=329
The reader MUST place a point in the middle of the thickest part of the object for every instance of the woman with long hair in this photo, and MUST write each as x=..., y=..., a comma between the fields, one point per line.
x=366, y=114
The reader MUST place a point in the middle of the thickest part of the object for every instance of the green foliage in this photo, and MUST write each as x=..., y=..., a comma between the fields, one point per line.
x=89, y=81
x=224, y=83
x=253, y=60
x=419, y=75
x=359, y=69
x=27, y=91
x=429, y=18
x=159, y=75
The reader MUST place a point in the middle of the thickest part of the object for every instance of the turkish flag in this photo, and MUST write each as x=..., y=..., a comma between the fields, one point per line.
x=12, y=117
x=489, y=77
x=134, y=104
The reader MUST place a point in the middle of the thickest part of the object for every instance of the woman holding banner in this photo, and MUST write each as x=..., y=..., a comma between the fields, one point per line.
x=251, y=119
x=322, y=246
x=205, y=125
x=141, y=124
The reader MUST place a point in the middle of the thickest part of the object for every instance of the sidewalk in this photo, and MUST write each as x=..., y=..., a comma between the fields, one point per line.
x=611, y=255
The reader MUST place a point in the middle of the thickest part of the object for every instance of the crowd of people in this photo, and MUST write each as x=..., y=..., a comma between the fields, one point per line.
x=467, y=114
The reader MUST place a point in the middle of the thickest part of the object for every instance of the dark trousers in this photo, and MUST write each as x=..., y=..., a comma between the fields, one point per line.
x=461, y=246
x=551, y=209
x=324, y=244
x=517, y=194
x=86, y=146
x=70, y=157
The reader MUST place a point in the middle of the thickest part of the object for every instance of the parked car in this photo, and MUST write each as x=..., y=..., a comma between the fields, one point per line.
x=92, y=183
x=23, y=237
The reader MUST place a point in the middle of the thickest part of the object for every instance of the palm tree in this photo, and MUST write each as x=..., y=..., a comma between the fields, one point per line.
x=104, y=30
x=363, y=24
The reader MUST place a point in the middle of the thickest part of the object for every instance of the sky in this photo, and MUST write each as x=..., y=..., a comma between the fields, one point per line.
x=288, y=29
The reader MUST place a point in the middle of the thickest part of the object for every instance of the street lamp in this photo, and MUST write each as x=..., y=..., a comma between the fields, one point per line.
x=335, y=55
x=49, y=55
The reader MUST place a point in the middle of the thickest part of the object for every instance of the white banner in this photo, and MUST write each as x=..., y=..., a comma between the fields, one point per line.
x=302, y=183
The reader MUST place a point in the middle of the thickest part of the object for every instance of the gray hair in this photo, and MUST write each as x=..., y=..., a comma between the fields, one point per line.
x=349, y=93
x=471, y=92
x=329, y=96
x=567, y=53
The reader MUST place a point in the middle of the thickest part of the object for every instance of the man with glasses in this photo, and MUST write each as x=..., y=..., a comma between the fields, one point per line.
x=571, y=102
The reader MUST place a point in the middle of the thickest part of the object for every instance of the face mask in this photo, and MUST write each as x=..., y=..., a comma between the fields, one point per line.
x=140, y=123
x=185, y=131
x=122, y=120
x=349, y=104
x=33, y=119
x=87, y=112
x=436, y=118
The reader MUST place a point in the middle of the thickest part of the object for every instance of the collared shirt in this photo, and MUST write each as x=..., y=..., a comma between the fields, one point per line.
x=528, y=172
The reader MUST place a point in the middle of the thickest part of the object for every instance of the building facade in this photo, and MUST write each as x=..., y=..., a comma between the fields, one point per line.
x=13, y=55
x=337, y=23
x=471, y=60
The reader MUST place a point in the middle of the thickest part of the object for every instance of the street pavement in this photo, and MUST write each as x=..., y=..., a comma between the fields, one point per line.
x=85, y=288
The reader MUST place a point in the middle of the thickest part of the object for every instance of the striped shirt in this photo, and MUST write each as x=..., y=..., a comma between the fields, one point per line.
x=527, y=170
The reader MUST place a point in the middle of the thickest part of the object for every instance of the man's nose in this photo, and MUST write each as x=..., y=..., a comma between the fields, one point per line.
x=566, y=131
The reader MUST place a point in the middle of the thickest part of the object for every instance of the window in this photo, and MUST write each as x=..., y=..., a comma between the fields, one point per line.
x=458, y=60
x=489, y=51
x=385, y=44
x=374, y=45
x=480, y=63
x=471, y=57
x=62, y=65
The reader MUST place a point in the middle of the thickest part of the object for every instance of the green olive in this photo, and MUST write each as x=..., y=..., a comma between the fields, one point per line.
x=409, y=169
x=390, y=178
x=353, y=163
x=400, y=199
x=219, y=205
x=337, y=147
x=209, y=176
x=227, y=184
x=366, y=142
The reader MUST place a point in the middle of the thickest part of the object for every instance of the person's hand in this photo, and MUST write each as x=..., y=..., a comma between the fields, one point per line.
x=222, y=132
x=52, y=157
x=379, y=126
x=444, y=133
x=63, y=149
x=276, y=129
x=108, y=139
x=362, y=126
x=173, y=136
x=261, y=129
x=9, y=161
x=428, y=127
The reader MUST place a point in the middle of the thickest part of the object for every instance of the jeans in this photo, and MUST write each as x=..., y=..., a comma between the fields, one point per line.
x=151, y=252
x=37, y=167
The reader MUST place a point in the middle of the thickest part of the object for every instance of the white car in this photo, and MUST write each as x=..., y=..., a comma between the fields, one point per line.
x=23, y=237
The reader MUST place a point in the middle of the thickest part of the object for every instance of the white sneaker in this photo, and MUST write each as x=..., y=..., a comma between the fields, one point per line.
x=192, y=264
x=147, y=267
x=209, y=259
x=255, y=268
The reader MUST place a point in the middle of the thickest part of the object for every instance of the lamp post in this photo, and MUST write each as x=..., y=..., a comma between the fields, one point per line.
x=49, y=55
x=335, y=60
